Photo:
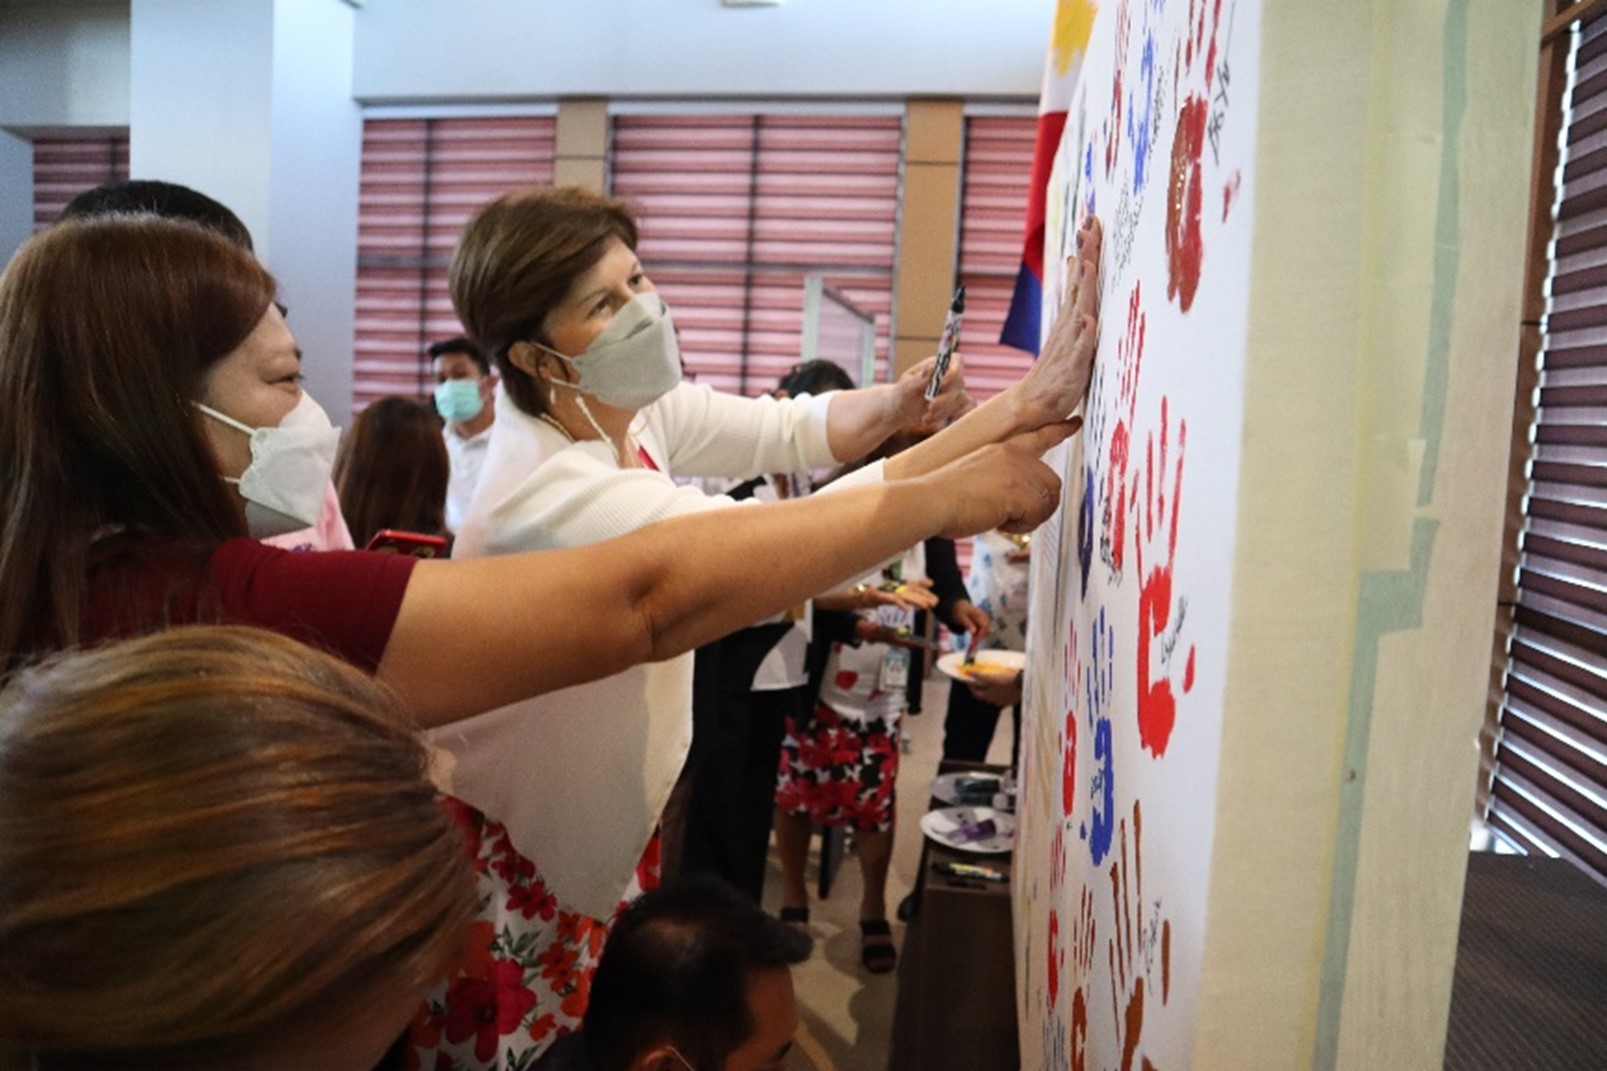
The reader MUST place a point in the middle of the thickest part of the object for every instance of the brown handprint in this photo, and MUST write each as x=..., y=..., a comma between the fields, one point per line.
x=1082, y=961
x=1132, y=943
x=1157, y=704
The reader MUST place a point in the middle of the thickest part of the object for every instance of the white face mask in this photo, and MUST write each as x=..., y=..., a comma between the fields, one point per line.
x=289, y=471
x=634, y=361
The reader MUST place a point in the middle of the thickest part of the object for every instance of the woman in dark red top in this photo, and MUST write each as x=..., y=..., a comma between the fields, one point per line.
x=154, y=422
x=143, y=366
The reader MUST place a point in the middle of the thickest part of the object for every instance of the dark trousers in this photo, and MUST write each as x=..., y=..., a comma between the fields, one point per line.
x=969, y=724
x=736, y=750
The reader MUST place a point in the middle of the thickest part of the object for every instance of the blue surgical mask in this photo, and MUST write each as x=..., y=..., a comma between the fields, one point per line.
x=458, y=400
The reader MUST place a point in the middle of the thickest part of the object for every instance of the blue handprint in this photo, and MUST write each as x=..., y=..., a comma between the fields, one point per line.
x=1099, y=680
x=1085, y=527
x=1139, y=122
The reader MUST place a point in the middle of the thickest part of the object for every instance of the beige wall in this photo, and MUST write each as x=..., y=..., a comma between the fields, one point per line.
x=929, y=227
x=581, y=143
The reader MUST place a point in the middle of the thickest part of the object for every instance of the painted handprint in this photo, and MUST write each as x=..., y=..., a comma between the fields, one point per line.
x=1082, y=962
x=1141, y=117
x=1112, y=127
x=1134, y=948
x=1099, y=685
x=1068, y=768
x=1093, y=470
x=1185, y=249
x=1158, y=633
x=1130, y=357
x=1055, y=1030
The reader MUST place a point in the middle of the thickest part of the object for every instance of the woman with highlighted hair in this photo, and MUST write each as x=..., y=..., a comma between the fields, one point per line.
x=594, y=423
x=219, y=849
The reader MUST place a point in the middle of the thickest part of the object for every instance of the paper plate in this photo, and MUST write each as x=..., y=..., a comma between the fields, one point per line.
x=951, y=789
x=991, y=663
x=948, y=827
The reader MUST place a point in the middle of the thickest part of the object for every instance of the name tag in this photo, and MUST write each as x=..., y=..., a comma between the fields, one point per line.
x=895, y=673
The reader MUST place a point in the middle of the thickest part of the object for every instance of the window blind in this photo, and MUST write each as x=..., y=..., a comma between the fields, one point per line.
x=993, y=202
x=737, y=210
x=1549, y=786
x=63, y=168
x=421, y=180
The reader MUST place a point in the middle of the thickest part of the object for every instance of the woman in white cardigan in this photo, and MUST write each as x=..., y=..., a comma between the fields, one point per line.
x=593, y=424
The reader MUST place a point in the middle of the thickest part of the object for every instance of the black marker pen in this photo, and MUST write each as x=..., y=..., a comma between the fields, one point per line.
x=946, y=345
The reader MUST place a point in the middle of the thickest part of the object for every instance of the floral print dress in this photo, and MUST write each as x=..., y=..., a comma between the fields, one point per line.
x=839, y=769
x=527, y=973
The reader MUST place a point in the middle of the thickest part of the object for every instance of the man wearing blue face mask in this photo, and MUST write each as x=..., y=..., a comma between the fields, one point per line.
x=465, y=396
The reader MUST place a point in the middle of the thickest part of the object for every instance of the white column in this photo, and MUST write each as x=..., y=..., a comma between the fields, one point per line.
x=250, y=103
x=16, y=193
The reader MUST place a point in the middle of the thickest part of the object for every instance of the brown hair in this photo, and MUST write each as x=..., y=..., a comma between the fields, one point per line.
x=107, y=326
x=517, y=259
x=393, y=471
x=210, y=838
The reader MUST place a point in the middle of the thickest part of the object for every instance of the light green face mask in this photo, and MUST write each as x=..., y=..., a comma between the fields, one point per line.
x=458, y=400
x=634, y=361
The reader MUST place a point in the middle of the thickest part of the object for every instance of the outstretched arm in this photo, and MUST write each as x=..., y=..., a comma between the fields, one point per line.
x=475, y=635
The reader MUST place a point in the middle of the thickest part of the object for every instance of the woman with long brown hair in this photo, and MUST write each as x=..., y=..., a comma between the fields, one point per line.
x=155, y=422
x=392, y=470
x=219, y=849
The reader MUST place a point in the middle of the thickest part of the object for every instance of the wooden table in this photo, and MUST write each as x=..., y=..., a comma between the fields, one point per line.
x=956, y=1004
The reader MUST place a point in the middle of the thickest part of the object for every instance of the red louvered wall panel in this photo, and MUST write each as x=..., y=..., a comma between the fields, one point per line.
x=63, y=168
x=993, y=210
x=736, y=210
x=421, y=180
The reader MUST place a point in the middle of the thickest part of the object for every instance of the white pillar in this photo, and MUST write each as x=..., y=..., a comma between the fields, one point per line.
x=16, y=193
x=250, y=102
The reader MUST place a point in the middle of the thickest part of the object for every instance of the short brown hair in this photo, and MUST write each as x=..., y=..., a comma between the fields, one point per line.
x=516, y=260
x=107, y=327
x=212, y=837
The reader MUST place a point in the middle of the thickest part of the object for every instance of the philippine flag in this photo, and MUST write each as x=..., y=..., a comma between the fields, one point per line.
x=1074, y=22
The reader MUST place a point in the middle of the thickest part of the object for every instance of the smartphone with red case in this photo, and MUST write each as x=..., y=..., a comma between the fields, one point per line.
x=419, y=545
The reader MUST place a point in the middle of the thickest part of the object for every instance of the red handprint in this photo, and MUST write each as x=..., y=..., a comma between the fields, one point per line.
x=1053, y=959
x=1204, y=16
x=1130, y=355
x=1157, y=705
x=1082, y=960
x=1068, y=772
x=1132, y=942
x=1113, y=131
x=1184, y=243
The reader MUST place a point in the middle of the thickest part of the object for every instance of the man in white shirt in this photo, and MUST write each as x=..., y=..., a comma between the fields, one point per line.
x=465, y=396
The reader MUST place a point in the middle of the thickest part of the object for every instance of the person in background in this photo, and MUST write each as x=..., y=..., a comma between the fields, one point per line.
x=465, y=396
x=150, y=384
x=328, y=531
x=157, y=198
x=997, y=586
x=219, y=849
x=693, y=975
x=391, y=470
x=840, y=756
x=744, y=687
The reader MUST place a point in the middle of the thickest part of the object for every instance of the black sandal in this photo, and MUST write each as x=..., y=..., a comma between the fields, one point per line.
x=796, y=916
x=876, y=951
